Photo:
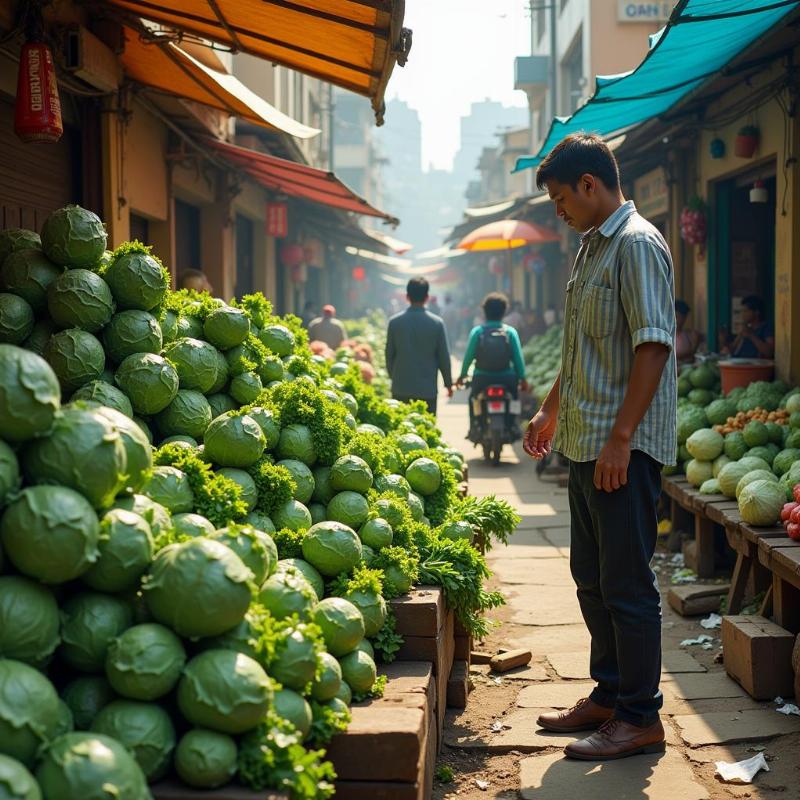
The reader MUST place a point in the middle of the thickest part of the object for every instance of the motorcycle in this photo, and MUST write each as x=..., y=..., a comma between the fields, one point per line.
x=495, y=421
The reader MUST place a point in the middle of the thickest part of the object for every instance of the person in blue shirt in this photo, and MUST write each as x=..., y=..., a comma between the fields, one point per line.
x=756, y=338
x=496, y=350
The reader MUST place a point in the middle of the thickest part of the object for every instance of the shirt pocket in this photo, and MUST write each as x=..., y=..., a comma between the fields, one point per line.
x=600, y=311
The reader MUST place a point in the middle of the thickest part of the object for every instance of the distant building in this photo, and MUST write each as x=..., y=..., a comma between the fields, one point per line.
x=357, y=158
x=478, y=129
x=593, y=37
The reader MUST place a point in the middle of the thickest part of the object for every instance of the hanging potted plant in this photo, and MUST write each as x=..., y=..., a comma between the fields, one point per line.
x=746, y=141
x=694, y=228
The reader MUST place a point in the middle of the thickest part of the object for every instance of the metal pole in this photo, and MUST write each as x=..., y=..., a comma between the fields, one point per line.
x=553, y=60
x=331, y=124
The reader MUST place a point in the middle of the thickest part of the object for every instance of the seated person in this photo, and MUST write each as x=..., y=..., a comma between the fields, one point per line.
x=686, y=341
x=756, y=339
x=496, y=351
x=195, y=280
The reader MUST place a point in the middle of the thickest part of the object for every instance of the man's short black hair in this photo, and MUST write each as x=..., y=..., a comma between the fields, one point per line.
x=754, y=303
x=417, y=290
x=682, y=307
x=495, y=305
x=576, y=155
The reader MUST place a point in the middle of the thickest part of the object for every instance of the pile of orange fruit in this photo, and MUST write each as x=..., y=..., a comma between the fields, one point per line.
x=737, y=423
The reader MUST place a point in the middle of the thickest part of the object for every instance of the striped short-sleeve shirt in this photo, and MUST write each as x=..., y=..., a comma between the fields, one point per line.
x=620, y=295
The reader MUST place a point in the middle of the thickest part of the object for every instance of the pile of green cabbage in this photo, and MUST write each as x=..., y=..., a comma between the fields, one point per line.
x=758, y=465
x=200, y=525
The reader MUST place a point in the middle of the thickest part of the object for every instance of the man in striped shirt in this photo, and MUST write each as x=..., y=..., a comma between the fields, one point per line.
x=612, y=414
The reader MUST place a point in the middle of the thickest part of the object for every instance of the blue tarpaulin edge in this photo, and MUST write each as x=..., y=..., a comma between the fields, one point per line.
x=700, y=39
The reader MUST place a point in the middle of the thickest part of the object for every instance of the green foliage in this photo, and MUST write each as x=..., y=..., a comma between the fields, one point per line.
x=460, y=570
x=388, y=641
x=372, y=408
x=257, y=308
x=438, y=504
x=189, y=303
x=272, y=757
x=303, y=403
x=289, y=542
x=445, y=774
x=362, y=579
x=377, y=690
x=327, y=722
x=217, y=498
x=496, y=519
x=374, y=449
x=275, y=484
x=407, y=562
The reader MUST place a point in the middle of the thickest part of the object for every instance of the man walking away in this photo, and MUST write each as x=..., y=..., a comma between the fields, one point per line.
x=612, y=413
x=327, y=328
x=497, y=353
x=416, y=349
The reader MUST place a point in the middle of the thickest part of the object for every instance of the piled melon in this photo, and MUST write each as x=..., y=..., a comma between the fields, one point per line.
x=200, y=525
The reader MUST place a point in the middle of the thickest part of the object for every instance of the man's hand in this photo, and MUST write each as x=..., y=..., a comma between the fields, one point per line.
x=538, y=439
x=460, y=383
x=611, y=469
x=449, y=391
x=523, y=385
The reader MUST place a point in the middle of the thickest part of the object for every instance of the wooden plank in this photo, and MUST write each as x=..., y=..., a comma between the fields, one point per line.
x=172, y=790
x=421, y=612
x=703, y=501
x=704, y=536
x=696, y=599
x=717, y=512
x=382, y=743
x=741, y=573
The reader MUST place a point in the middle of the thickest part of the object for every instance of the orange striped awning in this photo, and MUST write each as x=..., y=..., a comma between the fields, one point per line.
x=350, y=43
x=295, y=180
x=157, y=62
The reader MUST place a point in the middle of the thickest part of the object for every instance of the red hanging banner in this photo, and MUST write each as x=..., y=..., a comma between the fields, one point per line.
x=37, y=112
x=277, y=220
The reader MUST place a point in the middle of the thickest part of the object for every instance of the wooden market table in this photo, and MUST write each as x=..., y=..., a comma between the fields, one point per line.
x=765, y=555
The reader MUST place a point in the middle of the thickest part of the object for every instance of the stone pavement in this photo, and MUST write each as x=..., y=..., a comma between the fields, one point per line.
x=495, y=746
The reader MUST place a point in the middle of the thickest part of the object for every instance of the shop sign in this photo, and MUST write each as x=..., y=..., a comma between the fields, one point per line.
x=277, y=220
x=651, y=194
x=643, y=12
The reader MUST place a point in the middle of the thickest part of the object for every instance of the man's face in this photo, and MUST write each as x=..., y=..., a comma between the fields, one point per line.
x=748, y=315
x=577, y=207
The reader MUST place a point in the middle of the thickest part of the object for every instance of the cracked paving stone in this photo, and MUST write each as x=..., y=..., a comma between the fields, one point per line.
x=553, y=695
x=661, y=776
x=703, y=686
x=723, y=727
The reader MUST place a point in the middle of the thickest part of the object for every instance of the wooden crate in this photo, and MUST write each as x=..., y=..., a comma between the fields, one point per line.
x=389, y=750
x=428, y=629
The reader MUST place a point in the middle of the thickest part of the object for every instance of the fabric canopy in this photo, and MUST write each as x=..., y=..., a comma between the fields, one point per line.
x=295, y=180
x=395, y=245
x=701, y=37
x=350, y=43
x=160, y=64
x=507, y=234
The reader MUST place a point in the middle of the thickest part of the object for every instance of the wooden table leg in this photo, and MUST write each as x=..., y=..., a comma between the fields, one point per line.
x=786, y=604
x=704, y=538
x=741, y=572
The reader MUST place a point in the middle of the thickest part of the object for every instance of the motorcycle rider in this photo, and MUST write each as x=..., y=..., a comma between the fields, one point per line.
x=496, y=350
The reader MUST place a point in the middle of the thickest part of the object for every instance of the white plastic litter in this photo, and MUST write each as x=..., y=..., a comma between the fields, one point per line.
x=499, y=727
x=779, y=701
x=789, y=708
x=702, y=639
x=677, y=560
x=482, y=785
x=711, y=621
x=741, y=771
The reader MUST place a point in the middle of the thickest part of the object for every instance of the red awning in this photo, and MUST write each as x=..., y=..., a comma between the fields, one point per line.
x=296, y=180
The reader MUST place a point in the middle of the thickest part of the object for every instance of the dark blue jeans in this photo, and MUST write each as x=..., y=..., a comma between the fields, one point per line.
x=613, y=536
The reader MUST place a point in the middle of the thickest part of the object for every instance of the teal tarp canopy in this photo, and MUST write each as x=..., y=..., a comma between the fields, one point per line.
x=701, y=37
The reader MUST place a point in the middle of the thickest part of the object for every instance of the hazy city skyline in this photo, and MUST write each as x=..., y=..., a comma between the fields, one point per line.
x=461, y=55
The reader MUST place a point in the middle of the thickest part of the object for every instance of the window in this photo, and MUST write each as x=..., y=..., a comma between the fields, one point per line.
x=572, y=80
x=140, y=228
x=187, y=236
x=244, y=256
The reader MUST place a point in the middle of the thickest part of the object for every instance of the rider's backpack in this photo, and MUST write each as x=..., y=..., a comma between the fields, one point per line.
x=494, y=350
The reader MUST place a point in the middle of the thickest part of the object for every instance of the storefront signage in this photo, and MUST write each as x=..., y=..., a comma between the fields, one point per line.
x=651, y=194
x=277, y=220
x=643, y=12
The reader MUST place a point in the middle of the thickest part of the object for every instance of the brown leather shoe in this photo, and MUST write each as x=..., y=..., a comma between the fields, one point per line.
x=585, y=715
x=618, y=739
